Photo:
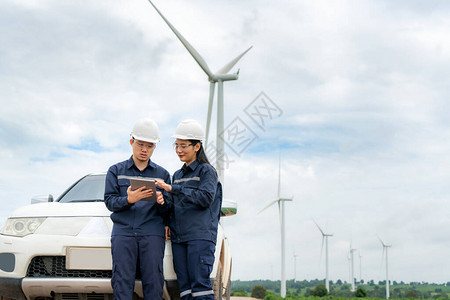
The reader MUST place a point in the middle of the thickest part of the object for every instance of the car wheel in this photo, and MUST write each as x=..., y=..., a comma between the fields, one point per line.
x=218, y=283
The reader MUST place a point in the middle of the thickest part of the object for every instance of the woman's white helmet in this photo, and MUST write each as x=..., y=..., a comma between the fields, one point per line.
x=189, y=130
x=145, y=130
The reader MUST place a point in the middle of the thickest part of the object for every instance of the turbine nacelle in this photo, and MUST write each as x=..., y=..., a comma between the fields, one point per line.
x=224, y=77
x=287, y=199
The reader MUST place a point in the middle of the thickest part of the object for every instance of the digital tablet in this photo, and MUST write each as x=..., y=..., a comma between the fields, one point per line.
x=149, y=183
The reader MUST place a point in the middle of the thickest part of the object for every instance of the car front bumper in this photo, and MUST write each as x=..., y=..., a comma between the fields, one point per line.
x=38, y=287
x=28, y=288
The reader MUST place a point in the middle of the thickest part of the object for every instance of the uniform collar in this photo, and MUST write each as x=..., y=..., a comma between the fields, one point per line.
x=192, y=166
x=130, y=163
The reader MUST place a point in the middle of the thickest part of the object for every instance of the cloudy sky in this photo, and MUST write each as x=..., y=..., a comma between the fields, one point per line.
x=356, y=101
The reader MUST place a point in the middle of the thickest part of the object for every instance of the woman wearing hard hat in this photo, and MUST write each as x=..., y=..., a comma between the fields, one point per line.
x=196, y=198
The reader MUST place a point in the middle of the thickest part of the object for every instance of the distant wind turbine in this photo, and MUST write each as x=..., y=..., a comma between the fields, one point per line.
x=220, y=76
x=325, y=239
x=360, y=267
x=385, y=249
x=295, y=265
x=352, y=269
x=280, y=202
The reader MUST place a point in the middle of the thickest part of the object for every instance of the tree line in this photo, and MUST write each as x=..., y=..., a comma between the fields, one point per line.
x=306, y=288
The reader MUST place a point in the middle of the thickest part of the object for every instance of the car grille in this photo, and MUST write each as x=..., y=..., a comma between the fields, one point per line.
x=55, y=266
x=70, y=296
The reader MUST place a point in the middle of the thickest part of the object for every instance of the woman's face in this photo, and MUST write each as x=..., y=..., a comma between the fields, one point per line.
x=186, y=151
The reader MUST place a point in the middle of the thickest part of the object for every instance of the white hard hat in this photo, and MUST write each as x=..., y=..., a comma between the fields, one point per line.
x=145, y=130
x=189, y=130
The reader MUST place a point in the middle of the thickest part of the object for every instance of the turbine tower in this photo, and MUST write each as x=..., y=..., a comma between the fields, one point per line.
x=280, y=202
x=352, y=269
x=325, y=239
x=219, y=77
x=385, y=249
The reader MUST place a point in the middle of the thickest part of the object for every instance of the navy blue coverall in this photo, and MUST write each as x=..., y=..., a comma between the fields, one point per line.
x=138, y=232
x=196, y=198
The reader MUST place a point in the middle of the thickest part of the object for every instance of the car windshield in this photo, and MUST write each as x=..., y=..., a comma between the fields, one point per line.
x=90, y=188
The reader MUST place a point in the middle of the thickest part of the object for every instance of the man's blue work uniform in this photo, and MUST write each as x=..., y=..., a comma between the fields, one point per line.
x=138, y=232
x=196, y=198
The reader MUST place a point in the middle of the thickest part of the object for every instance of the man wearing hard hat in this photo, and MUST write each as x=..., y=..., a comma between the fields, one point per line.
x=138, y=230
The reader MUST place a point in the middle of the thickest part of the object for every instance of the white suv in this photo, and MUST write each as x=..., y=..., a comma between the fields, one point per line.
x=61, y=249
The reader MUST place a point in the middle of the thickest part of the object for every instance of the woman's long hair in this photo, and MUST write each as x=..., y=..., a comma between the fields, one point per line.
x=201, y=155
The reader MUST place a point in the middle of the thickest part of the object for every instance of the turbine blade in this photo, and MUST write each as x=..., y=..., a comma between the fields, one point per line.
x=198, y=58
x=225, y=69
x=269, y=205
x=212, y=86
x=321, y=231
x=382, y=243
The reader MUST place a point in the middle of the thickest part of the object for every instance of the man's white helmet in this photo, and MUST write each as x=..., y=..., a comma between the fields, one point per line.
x=189, y=130
x=145, y=130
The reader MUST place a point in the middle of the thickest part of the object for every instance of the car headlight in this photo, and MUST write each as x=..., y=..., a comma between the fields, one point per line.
x=21, y=226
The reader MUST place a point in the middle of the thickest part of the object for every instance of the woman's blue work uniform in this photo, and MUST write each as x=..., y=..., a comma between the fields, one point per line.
x=196, y=201
x=138, y=232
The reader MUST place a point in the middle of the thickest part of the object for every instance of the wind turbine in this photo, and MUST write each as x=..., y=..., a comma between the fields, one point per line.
x=280, y=202
x=295, y=265
x=325, y=239
x=360, y=267
x=385, y=249
x=218, y=77
x=352, y=270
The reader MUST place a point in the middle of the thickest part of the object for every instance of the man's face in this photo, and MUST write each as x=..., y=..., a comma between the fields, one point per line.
x=142, y=151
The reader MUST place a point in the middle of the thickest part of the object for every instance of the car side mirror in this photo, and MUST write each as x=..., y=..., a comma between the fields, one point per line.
x=42, y=198
x=229, y=208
